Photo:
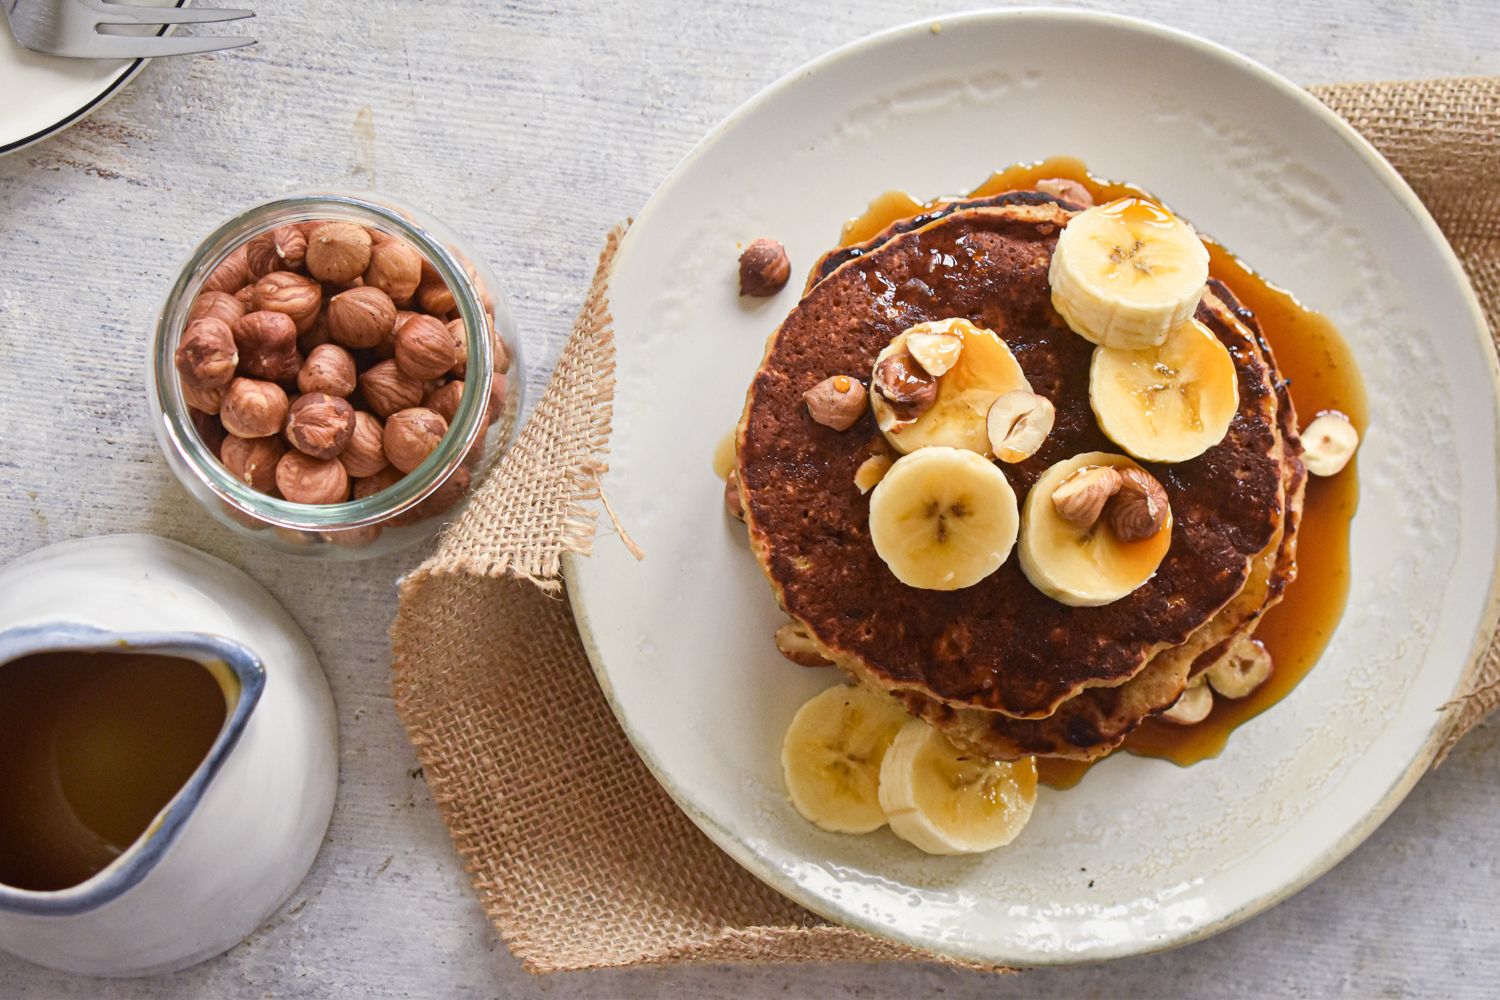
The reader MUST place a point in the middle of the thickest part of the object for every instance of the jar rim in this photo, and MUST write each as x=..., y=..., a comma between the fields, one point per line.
x=468, y=422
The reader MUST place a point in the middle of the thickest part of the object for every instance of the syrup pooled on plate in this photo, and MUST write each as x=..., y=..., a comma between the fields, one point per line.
x=1322, y=375
x=92, y=747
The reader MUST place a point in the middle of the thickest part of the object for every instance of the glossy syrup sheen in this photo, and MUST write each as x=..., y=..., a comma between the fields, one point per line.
x=92, y=747
x=1322, y=375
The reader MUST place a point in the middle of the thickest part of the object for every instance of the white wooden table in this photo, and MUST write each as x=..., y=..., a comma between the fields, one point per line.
x=532, y=127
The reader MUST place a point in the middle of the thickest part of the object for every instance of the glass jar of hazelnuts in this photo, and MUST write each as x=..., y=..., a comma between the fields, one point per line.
x=331, y=372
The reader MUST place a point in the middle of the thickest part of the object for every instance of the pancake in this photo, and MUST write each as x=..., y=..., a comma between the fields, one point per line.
x=1000, y=645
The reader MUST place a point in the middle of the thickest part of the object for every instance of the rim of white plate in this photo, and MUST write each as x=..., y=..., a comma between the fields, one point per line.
x=750, y=859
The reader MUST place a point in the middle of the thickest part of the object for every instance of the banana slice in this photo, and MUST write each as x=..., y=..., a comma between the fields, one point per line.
x=831, y=757
x=946, y=801
x=943, y=518
x=1168, y=403
x=1083, y=566
x=979, y=371
x=1127, y=273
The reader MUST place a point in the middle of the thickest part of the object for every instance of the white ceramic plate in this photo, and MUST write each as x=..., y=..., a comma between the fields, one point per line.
x=1142, y=855
x=58, y=93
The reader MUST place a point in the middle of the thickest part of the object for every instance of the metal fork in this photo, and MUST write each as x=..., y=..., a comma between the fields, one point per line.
x=73, y=28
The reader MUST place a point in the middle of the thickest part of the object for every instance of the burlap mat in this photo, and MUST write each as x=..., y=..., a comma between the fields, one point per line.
x=578, y=856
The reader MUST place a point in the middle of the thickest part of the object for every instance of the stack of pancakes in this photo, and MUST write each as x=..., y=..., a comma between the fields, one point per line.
x=1001, y=668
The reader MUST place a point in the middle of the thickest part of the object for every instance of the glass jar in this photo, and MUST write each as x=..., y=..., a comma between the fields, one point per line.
x=414, y=507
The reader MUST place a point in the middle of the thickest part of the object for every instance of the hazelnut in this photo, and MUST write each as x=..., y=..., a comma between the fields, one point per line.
x=1140, y=509
x=279, y=249
x=353, y=538
x=734, y=502
x=498, y=392
x=1192, y=706
x=905, y=385
x=267, y=342
x=388, y=389
x=395, y=268
x=502, y=350
x=460, y=338
x=1329, y=442
x=796, y=644
x=764, y=268
x=316, y=335
x=207, y=400
x=1081, y=496
x=377, y=482
x=1017, y=423
x=364, y=452
x=1245, y=666
x=411, y=435
x=1069, y=191
x=435, y=298
x=319, y=425
x=232, y=274
x=253, y=408
x=285, y=292
x=838, y=402
x=206, y=356
x=210, y=429
x=338, y=252
x=442, y=499
x=424, y=348
x=304, y=479
x=216, y=305
x=328, y=368
x=253, y=460
x=361, y=317
x=444, y=399
x=246, y=298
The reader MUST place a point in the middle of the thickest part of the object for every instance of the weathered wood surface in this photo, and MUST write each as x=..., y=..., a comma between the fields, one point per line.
x=532, y=127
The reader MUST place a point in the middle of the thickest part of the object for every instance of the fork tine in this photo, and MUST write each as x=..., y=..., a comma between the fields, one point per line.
x=134, y=47
x=118, y=13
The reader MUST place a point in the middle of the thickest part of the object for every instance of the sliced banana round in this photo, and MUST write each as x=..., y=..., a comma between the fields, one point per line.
x=980, y=371
x=831, y=757
x=1127, y=273
x=946, y=801
x=1168, y=403
x=1329, y=442
x=943, y=518
x=1240, y=671
x=1083, y=565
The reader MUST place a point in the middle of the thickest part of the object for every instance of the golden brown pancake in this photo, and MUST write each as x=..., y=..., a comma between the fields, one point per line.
x=1001, y=645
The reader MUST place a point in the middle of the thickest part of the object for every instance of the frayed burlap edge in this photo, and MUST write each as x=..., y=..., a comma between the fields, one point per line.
x=579, y=858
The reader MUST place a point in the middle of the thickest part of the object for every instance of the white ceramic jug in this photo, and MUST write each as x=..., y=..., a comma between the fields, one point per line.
x=233, y=843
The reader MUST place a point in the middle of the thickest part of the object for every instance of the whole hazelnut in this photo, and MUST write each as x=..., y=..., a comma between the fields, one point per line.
x=216, y=305
x=424, y=348
x=387, y=389
x=210, y=429
x=252, y=408
x=502, y=350
x=364, y=452
x=207, y=400
x=395, y=268
x=837, y=402
x=353, y=538
x=328, y=368
x=444, y=399
x=498, y=392
x=338, y=252
x=361, y=317
x=377, y=482
x=279, y=249
x=1068, y=190
x=435, y=298
x=232, y=274
x=764, y=268
x=411, y=435
x=316, y=335
x=319, y=425
x=1140, y=509
x=442, y=499
x=253, y=460
x=304, y=479
x=905, y=385
x=267, y=342
x=285, y=292
x=206, y=355
x=246, y=298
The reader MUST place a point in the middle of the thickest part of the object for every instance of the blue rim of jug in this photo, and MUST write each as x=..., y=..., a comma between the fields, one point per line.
x=137, y=860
